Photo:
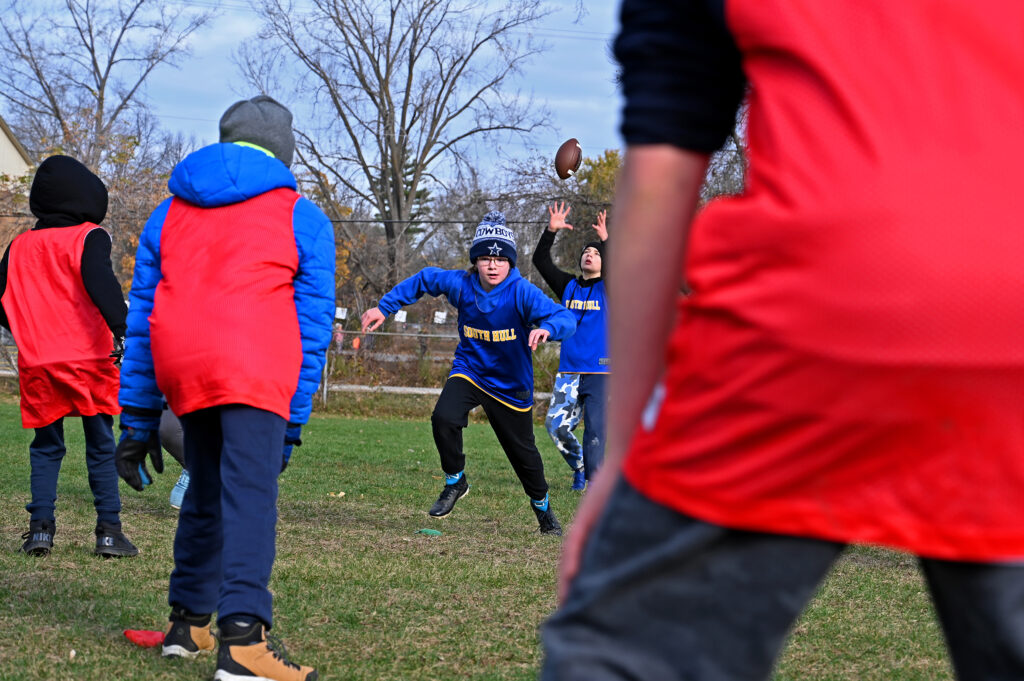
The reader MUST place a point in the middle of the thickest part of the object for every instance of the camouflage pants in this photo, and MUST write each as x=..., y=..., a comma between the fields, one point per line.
x=575, y=397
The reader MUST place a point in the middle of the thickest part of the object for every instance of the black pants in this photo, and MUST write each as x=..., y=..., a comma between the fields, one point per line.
x=513, y=428
x=661, y=595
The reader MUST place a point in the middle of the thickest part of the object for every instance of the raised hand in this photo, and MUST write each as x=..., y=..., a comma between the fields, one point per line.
x=601, y=228
x=557, y=214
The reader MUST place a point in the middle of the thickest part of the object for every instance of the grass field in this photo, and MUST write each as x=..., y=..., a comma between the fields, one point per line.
x=361, y=595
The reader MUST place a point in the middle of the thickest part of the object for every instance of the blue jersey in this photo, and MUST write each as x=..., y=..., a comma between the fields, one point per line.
x=494, y=327
x=586, y=351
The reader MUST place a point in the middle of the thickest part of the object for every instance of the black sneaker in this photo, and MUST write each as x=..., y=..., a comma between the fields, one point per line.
x=39, y=538
x=111, y=542
x=449, y=495
x=187, y=635
x=547, y=521
x=246, y=652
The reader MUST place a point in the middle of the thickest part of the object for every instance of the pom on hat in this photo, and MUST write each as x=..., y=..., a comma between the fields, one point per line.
x=261, y=121
x=493, y=239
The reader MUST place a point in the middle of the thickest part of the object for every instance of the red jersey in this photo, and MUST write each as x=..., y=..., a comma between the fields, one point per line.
x=64, y=345
x=851, y=363
x=224, y=327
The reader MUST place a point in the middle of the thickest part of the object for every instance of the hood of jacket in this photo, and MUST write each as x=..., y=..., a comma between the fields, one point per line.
x=65, y=193
x=223, y=174
x=488, y=300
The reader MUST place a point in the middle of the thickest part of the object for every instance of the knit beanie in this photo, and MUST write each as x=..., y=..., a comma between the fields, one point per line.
x=494, y=239
x=261, y=121
x=599, y=245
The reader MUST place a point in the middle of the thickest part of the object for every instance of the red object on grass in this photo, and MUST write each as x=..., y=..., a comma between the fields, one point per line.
x=144, y=638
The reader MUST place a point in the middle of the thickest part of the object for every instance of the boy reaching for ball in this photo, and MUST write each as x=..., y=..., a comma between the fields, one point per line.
x=583, y=365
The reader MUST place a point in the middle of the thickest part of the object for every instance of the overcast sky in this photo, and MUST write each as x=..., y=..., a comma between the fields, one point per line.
x=575, y=77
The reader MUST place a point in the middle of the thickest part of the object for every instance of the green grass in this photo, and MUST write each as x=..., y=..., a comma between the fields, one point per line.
x=360, y=595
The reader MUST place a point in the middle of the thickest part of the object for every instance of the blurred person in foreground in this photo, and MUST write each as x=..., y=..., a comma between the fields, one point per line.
x=848, y=368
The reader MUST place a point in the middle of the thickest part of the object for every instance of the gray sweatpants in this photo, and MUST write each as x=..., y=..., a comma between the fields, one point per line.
x=662, y=596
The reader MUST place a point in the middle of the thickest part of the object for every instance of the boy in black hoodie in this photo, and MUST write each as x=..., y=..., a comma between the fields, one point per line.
x=63, y=305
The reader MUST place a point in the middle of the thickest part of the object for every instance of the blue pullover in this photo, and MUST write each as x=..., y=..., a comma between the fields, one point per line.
x=494, y=326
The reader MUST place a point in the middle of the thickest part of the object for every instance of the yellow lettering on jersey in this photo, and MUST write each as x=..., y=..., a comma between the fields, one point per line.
x=584, y=305
x=476, y=334
x=496, y=336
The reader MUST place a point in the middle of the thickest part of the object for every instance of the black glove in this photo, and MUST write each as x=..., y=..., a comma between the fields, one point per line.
x=118, y=352
x=292, y=438
x=130, y=456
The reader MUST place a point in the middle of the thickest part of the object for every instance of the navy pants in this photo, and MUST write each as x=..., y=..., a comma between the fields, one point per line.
x=661, y=595
x=46, y=454
x=224, y=546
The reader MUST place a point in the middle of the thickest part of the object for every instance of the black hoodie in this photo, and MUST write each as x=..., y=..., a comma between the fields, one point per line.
x=64, y=194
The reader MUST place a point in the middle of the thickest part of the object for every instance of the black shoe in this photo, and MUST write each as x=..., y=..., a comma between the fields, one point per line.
x=111, y=542
x=449, y=495
x=187, y=635
x=547, y=521
x=39, y=538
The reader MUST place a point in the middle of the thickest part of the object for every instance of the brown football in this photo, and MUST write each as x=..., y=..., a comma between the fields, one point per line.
x=568, y=158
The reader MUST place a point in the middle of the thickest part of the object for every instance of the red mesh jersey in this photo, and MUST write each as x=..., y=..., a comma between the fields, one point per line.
x=224, y=329
x=851, y=363
x=64, y=345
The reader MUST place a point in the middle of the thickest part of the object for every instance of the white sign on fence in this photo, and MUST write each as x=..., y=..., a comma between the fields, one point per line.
x=400, y=316
x=440, y=316
x=341, y=313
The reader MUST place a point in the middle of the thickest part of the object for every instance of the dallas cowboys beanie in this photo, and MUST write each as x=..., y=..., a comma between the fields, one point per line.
x=493, y=238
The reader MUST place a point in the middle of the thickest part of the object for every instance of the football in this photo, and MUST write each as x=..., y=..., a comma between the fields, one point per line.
x=568, y=158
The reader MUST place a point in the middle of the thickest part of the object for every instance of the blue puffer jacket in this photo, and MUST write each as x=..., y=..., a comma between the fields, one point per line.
x=221, y=175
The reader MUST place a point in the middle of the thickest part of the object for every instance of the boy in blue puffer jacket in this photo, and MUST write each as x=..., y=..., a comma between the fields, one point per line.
x=231, y=309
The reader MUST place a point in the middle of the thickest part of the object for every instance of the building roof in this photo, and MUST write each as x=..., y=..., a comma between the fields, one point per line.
x=15, y=143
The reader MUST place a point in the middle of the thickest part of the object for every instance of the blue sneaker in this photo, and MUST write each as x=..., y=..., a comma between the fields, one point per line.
x=579, y=481
x=178, y=493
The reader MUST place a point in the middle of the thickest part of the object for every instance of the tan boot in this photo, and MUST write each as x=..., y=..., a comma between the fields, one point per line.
x=245, y=653
x=187, y=635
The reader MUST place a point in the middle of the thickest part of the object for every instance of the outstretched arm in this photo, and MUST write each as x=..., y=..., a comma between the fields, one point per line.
x=429, y=281
x=658, y=192
x=555, y=278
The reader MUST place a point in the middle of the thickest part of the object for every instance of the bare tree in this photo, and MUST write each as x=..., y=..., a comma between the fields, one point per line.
x=74, y=70
x=73, y=82
x=727, y=169
x=398, y=89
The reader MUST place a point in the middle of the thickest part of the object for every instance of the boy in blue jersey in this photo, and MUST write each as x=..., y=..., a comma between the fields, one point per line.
x=502, y=317
x=581, y=383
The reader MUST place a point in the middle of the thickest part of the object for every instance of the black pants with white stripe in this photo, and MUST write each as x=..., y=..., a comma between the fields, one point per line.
x=513, y=428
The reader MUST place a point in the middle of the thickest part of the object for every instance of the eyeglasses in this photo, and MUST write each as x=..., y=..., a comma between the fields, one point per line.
x=487, y=260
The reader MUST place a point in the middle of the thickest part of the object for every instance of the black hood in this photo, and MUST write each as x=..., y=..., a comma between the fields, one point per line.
x=66, y=193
